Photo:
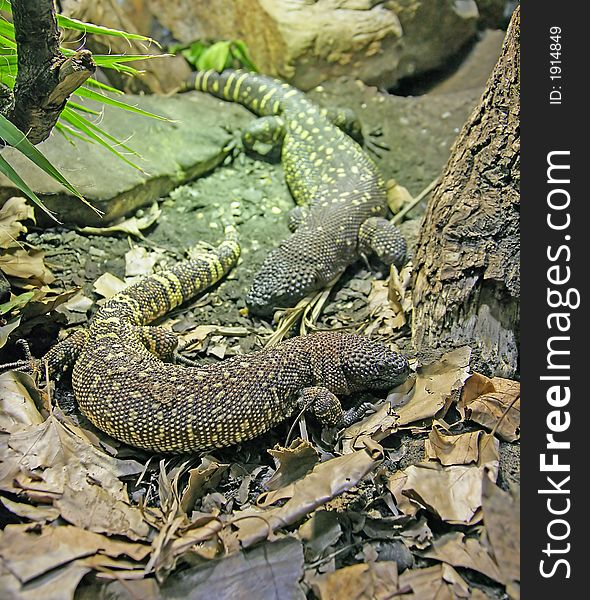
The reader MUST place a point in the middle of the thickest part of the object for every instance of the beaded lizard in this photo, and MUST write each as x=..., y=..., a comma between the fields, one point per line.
x=340, y=194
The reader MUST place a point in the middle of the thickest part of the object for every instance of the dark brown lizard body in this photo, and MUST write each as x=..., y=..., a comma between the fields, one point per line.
x=124, y=386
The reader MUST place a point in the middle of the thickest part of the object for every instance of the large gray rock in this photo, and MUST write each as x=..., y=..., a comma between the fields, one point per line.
x=161, y=75
x=308, y=42
x=171, y=153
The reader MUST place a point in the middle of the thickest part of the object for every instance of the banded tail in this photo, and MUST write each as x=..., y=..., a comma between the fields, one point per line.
x=157, y=294
x=261, y=94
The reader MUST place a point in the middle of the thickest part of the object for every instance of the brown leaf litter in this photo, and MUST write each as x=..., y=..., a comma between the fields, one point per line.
x=304, y=517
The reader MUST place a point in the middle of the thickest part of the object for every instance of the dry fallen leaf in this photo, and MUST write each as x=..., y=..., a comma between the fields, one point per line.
x=204, y=477
x=179, y=535
x=270, y=571
x=319, y=533
x=75, y=309
x=434, y=386
x=457, y=550
x=45, y=300
x=451, y=493
x=57, y=584
x=501, y=515
x=18, y=410
x=12, y=213
x=389, y=301
x=53, y=462
x=27, y=267
x=326, y=480
x=107, y=285
x=7, y=329
x=42, y=513
x=139, y=262
x=494, y=404
x=292, y=463
x=440, y=582
x=56, y=546
x=417, y=534
x=475, y=447
x=132, y=226
x=364, y=581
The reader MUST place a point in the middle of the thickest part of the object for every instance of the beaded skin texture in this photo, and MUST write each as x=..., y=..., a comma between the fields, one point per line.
x=327, y=172
x=123, y=385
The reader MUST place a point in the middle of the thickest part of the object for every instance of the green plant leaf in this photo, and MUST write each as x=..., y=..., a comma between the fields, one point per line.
x=7, y=42
x=97, y=134
x=84, y=109
x=16, y=138
x=16, y=302
x=68, y=23
x=240, y=52
x=215, y=57
x=7, y=170
x=115, y=65
x=105, y=60
x=193, y=52
x=102, y=133
x=69, y=132
x=92, y=95
x=71, y=122
x=91, y=82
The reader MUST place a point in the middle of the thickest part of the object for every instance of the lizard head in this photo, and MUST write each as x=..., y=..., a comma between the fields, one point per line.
x=368, y=364
x=281, y=283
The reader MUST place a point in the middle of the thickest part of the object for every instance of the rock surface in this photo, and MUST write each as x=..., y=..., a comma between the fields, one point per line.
x=495, y=13
x=309, y=42
x=161, y=75
x=172, y=153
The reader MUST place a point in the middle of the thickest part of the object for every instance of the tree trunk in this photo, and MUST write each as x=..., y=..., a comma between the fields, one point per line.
x=467, y=276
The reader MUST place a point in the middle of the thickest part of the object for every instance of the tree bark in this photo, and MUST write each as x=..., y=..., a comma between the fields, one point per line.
x=467, y=276
x=46, y=78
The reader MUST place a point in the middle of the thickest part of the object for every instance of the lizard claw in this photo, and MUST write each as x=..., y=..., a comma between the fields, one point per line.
x=374, y=145
x=183, y=360
x=28, y=364
x=352, y=415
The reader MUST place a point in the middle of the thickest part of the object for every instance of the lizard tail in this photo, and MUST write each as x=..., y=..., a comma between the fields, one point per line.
x=261, y=94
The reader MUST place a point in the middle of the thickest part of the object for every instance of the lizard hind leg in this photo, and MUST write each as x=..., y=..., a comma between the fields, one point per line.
x=346, y=120
x=57, y=361
x=382, y=237
x=161, y=342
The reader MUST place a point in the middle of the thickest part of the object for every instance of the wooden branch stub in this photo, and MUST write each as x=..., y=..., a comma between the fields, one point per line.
x=72, y=74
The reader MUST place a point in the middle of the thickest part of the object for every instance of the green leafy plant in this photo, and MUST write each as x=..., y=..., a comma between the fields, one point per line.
x=75, y=121
x=220, y=55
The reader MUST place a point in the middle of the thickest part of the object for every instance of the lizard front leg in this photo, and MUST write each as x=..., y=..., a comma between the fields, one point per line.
x=327, y=409
x=380, y=236
x=264, y=136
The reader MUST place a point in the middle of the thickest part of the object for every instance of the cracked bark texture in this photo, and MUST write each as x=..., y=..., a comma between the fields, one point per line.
x=467, y=264
x=46, y=78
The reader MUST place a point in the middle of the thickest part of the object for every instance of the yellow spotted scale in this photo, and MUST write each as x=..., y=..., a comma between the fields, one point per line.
x=340, y=193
